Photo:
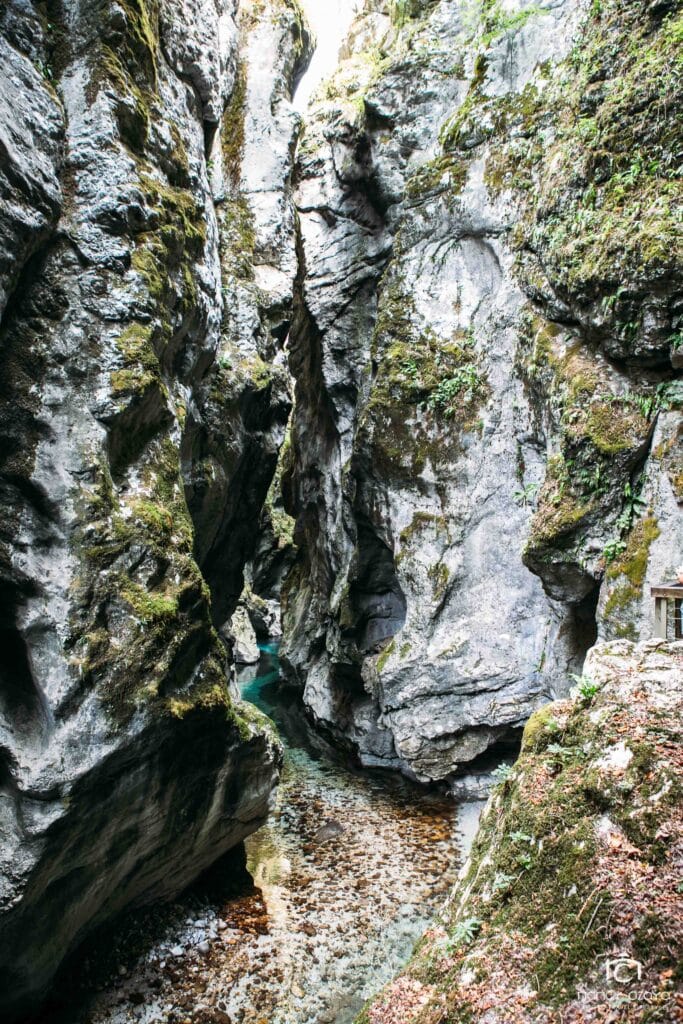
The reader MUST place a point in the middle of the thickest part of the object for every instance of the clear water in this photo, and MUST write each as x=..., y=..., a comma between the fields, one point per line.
x=351, y=867
x=342, y=880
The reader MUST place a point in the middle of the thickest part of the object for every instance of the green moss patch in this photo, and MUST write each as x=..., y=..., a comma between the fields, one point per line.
x=626, y=573
x=602, y=438
x=141, y=625
x=590, y=151
x=575, y=862
x=426, y=389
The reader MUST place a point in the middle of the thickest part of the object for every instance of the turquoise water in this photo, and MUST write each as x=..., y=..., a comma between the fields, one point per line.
x=342, y=880
x=269, y=673
x=351, y=867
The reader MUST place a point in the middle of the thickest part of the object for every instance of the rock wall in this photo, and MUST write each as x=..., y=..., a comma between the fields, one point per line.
x=486, y=346
x=568, y=908
x=472, y=273
x=146, y=270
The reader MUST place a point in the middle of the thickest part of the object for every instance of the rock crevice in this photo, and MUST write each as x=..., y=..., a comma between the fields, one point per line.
x=482, y=383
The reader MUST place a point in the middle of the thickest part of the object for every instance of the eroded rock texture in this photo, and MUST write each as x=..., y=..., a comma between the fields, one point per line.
x=146, y=272
x=487, y=330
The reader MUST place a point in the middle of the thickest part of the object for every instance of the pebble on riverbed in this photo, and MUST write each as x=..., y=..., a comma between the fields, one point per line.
x=325, y=921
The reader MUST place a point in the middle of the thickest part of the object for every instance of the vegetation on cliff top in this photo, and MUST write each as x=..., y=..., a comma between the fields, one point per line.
x=592, y=149
x=595, y=151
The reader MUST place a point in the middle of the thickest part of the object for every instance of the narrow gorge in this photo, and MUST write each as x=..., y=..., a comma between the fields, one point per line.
x=341, y=458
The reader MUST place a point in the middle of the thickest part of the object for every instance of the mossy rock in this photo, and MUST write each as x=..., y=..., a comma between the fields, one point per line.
x=543, y=725
x=572, y=862
x=426, y=392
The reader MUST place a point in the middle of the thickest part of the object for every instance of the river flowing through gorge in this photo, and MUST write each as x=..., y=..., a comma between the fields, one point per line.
x=355, y=324
x=339, y=885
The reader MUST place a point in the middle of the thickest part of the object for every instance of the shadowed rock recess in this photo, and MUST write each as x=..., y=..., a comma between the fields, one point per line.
x=412, y=370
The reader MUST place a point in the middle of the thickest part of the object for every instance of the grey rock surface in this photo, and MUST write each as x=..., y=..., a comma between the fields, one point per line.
x=126, y=767
x=31, y=135
x=244, y=643
x=421, y=380
x=452, y=541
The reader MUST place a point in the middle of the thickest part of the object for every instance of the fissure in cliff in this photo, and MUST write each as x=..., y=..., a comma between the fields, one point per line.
x=412, y=371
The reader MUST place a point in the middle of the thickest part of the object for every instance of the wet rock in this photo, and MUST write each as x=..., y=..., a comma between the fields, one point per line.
x=31, y=136
x=329, y=830
x=221, y=1017
x=242, y=637
x=472, y=787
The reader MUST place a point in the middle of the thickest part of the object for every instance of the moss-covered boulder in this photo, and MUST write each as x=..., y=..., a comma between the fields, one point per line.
x=568, y=908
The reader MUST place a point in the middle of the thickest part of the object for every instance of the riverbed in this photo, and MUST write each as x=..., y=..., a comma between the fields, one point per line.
x=339, y=884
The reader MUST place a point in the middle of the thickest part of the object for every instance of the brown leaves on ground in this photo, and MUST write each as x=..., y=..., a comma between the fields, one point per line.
x=576, y=869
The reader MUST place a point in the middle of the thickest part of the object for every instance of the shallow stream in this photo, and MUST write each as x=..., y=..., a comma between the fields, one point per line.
x=341, y=882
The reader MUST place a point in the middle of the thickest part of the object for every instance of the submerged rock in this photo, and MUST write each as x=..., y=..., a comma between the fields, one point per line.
x=328, y=830
x=568, y=907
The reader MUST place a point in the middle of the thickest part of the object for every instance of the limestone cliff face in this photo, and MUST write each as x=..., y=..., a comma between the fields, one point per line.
x=485, y=343
x=146, y=272
x=480, y=283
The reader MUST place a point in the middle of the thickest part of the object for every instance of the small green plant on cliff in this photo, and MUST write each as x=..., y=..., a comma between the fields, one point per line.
x=498, y=21
x=464, y=933
x=633, y=505
x=466, y=384
x=626, y=572
x=526, y=494
x=502, y=882
x=585, y=687
x=613, y=549
x=385, y=655
x=503, y=772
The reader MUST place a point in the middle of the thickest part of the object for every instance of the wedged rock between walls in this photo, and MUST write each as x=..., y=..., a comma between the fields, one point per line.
x=486, y=345
x=568, y=907
x=146, y=279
